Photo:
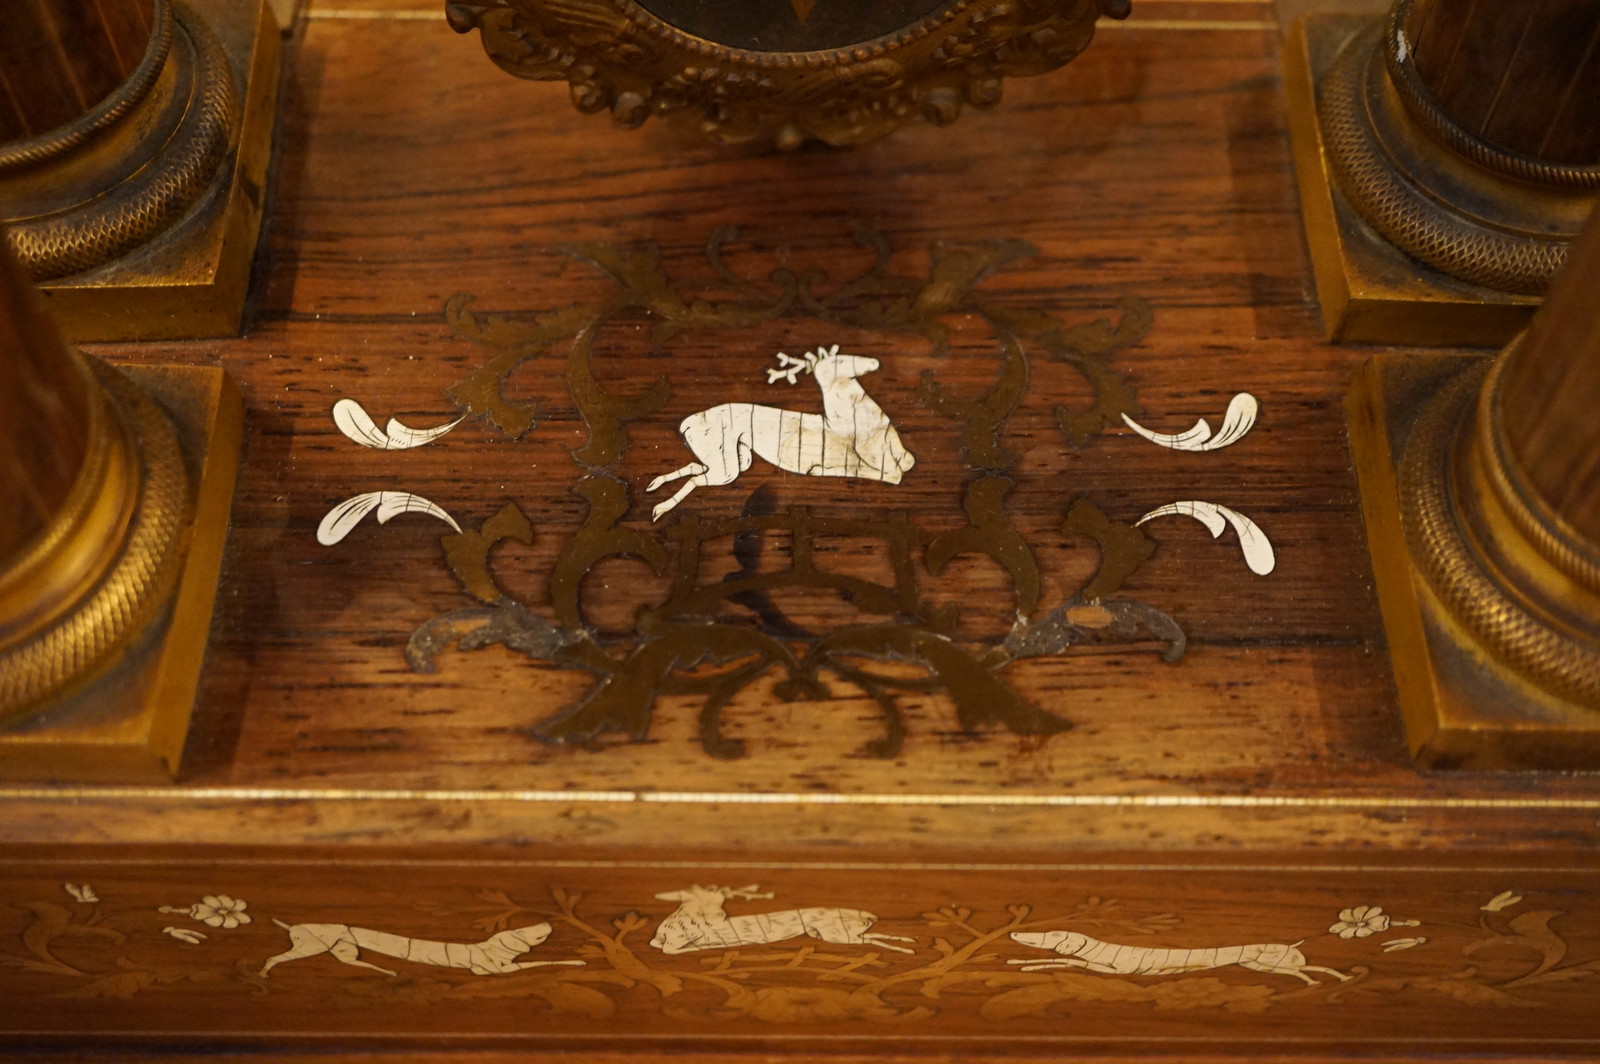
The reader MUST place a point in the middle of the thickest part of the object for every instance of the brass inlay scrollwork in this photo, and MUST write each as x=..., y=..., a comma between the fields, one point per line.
x=683, y=642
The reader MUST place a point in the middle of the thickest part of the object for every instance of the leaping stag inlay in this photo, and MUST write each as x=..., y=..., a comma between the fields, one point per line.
x=852, y=437
x=699, y=923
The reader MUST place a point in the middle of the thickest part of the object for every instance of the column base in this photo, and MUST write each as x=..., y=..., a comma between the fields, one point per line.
x=129, y=725
x=191, y=280
x=1463, y=708
x=1370, y=291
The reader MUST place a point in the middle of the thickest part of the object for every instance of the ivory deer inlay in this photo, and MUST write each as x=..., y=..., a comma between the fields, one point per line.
x=699, y=923
x=852, y=437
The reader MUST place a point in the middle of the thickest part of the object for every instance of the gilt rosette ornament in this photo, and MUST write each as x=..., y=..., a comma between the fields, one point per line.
x=783, y=72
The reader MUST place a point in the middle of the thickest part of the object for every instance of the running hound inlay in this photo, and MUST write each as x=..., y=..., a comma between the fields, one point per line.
x=852, y=437
x=496, y=955
x=1110, y=958
x=699, y=923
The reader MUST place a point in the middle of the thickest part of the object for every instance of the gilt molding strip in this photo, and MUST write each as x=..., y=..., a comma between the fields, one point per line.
x=896, y=1037
x=819, y=866
x=1142, y=801
x=336, y=14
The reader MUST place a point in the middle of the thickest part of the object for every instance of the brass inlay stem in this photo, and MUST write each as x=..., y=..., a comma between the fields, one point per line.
x=110, y=222
x=57, y=649
x=22, y=153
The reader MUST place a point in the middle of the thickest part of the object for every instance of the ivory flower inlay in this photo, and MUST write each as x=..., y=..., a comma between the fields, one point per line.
x=215, y=910
x=1363, y=920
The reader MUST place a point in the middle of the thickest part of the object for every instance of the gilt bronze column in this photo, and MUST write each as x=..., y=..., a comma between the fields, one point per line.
x=133, y=142
x=115, y=487
x=1447, y=157
x=1480, y=481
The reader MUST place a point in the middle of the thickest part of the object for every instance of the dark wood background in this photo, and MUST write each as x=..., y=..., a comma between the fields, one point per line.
x=410, y=169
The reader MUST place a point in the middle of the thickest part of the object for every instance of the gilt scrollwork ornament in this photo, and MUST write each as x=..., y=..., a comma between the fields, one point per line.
x=782, y=72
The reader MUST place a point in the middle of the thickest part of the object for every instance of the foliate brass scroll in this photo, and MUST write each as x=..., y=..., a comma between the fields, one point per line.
x=743, y=593
x=782, y=72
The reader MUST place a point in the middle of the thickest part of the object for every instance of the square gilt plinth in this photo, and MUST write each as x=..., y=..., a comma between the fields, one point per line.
x=130, y=725
x=1369, y=290
x=1463, y=707
x=192, y=279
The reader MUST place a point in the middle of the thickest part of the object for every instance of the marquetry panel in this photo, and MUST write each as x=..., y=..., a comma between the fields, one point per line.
x=1069, y=956
x=454, y=182
x=1129, y=225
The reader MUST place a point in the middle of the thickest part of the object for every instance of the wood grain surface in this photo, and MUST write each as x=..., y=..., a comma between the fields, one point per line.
x=1513, y=76
x=1230, y=957
x=58, y=60
x=1155, y=166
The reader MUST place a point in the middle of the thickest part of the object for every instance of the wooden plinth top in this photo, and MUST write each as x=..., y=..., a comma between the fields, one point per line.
x=1157, y=166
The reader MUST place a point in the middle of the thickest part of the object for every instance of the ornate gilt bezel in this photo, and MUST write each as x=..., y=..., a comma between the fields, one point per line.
x=618, y=57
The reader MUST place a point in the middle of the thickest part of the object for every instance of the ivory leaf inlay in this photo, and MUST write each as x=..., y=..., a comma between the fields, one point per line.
x=1253, y=542
x=354, y=421
x=339, y=521
x=1239, y=419
x=1504, y=900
